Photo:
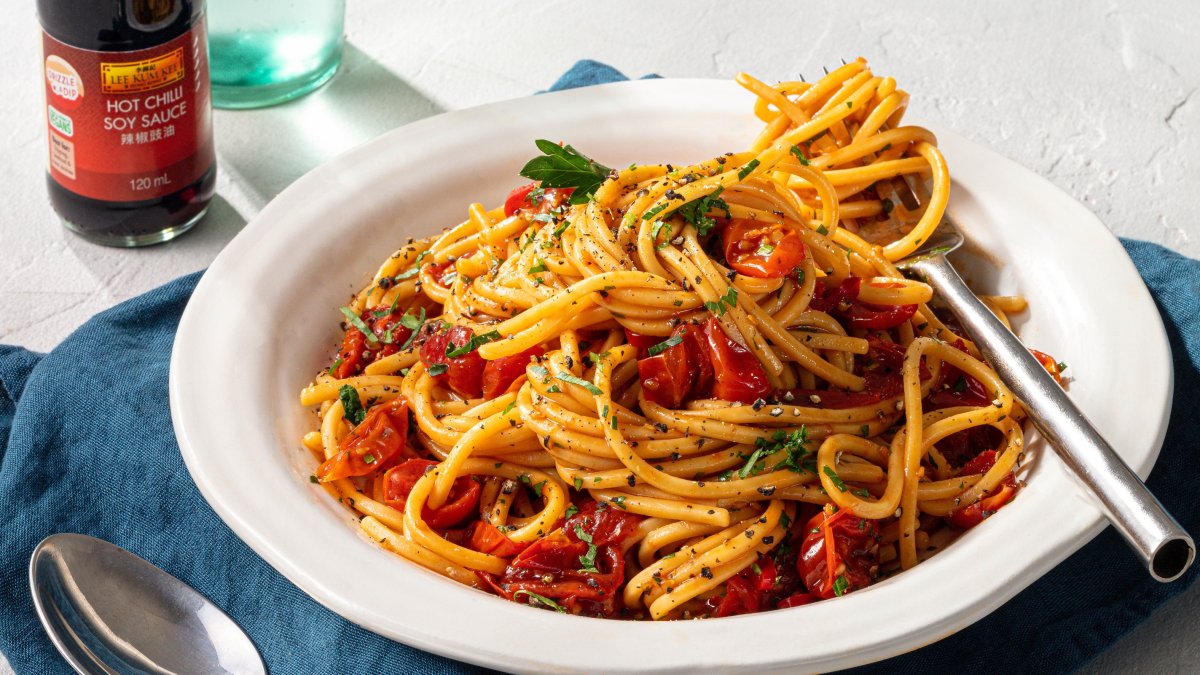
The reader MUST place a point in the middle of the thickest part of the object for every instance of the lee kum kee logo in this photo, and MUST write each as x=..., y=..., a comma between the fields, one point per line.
x=145, y=75
x=63, y=79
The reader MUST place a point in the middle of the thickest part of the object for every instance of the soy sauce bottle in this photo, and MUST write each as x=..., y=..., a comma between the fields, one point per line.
x=129, y=117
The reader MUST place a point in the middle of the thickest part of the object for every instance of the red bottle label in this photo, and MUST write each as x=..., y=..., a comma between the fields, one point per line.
x=128, y=126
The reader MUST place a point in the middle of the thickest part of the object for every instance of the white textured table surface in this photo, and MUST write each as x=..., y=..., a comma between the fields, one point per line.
x=1100, y=98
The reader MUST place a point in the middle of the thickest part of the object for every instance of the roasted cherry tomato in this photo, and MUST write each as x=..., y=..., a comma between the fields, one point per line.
x=605, y=524
x=796, y=600
x=546, y=200
x=499, y=375
x=750, y=590
x=679, y=371
x=559, y=566
x=877, y=317
x=463, y=374
x=826, y=298
x=1049, y=363
x=358, y=350
x=974, y=514
x=737, y=373
x=464, y=494
x=485, y=538
x=641, y=342
x=443, y=273
x=761, y=249
x=851, y=562
x=378, y=440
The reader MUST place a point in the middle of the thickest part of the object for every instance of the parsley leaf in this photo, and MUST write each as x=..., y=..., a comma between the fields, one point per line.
x=564, y=167
x=352, y=407
x=436, y=369
x=539, y=267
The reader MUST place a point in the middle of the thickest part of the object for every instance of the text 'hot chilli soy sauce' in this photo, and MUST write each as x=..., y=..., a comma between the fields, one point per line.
x=129, y=117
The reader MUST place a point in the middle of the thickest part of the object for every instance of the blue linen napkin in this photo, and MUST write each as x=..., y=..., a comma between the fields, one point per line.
x=118, y=475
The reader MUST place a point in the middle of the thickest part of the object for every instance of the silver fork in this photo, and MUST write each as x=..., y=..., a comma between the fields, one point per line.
x=1163, y=545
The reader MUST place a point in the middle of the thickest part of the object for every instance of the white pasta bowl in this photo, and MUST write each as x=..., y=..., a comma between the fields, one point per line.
x=264, y=319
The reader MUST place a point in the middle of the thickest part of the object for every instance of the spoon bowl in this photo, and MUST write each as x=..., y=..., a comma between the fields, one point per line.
x=109, y=611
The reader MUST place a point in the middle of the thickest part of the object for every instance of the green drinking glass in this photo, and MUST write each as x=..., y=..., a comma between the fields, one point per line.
x=264, y=52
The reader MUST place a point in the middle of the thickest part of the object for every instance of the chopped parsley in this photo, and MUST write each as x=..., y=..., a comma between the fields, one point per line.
x=540, y=371
x=562, y=166
x=696, y=213
x=436, y=369
x=352, y=407
x=619, y=502
x=358, y=323
x=837, y=481
x=587, y=560
x=747, y=169
x=840, y=585
x=413, y=321
x=822, y=230
x=542, y=600
x=567, y=377
x=663, y=346
x=474, y=343
x=509, y=408
x=799, y=155
x=539, y=267
x=571, y=510
x=578, y=482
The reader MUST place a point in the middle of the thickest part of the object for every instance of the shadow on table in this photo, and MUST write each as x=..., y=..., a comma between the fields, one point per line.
x=264, y=150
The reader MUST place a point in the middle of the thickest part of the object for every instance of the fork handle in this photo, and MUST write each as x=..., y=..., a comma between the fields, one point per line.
x=1163, y=545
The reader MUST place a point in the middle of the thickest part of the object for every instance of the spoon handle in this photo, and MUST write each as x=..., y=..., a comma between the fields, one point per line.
x=1163, y=545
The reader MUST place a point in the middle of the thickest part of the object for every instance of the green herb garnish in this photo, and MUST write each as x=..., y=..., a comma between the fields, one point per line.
x=564, y=167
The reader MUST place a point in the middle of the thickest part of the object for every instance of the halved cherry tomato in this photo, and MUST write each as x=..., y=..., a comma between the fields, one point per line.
x=372, y=445
x=350, y=355
x=463, y=374
x=550, y=198
x=464, y=494
x=485, y=538
x=854, y=557
x=761, y=249
x=499, y=375
x=1049, y=363
x=973, y=514
x=738, y=374
x=681, y=370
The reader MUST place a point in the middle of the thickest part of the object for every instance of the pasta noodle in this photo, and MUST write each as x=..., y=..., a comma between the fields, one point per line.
x=677, y=391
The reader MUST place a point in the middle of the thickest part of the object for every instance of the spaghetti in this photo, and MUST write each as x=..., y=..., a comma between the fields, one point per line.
x=677, y=391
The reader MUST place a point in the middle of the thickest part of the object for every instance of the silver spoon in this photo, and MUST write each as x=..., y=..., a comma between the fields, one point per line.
x=1164, y=547
x=109, y=611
